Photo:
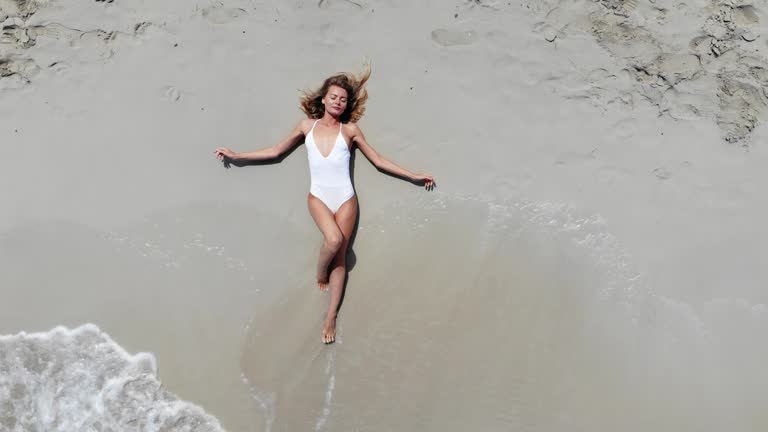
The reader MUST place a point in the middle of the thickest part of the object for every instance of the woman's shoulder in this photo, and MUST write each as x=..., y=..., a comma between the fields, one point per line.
x=351, y=127
x=351, y=131
x=305, y=125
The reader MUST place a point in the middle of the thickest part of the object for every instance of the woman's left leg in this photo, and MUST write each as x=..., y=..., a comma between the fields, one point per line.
x=345, y=219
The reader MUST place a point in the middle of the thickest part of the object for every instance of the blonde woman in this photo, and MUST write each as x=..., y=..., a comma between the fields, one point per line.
x=331, y=133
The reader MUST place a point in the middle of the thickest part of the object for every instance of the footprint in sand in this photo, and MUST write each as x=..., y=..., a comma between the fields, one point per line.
x=548, y=32
x=620, y=7
x=222, y=15
x=60, y=68
x=448, y=37
x=55, y=31
x=16, y=72
x=91, y=45
x=17, y=8
x=96, y=45
x=629, y=6
x=675, y=68
x=14, y=31
x=719, y=76
x=623, y=129
x=171, y=93
x=665, y=173
x=662, y=173
x=24, y=67
x=745, y=15
x=349, y=4
x=140, y=29
x=760, y=74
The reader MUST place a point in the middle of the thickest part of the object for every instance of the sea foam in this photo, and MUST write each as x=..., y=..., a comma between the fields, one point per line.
x=81, y=380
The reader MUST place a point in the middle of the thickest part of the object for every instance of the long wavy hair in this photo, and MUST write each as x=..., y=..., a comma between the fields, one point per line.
x=312, y=101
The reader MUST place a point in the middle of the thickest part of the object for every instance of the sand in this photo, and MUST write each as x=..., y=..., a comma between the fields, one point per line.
x=592, y=258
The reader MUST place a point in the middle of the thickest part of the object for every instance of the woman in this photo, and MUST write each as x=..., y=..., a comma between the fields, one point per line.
x=331, y=133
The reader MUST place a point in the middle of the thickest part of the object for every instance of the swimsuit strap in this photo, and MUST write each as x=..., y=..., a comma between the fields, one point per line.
x=313, y=125
x=310, y=135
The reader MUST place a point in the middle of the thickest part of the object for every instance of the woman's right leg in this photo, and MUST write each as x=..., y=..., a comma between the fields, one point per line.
x=332, y=238
x=345, y=219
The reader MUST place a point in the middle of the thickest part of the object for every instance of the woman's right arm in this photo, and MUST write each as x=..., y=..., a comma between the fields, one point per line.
x=268, y=153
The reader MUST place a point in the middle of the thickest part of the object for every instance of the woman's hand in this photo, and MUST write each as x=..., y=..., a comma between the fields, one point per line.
x=225, y=155
x=428, y=180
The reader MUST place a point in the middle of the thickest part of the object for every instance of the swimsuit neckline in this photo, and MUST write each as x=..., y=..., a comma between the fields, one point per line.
x=335, y=141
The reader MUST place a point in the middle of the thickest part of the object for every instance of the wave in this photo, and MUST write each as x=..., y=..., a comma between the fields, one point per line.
x=81, y=380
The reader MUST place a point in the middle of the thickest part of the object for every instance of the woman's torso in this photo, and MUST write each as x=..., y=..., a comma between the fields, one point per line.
x=332, y=167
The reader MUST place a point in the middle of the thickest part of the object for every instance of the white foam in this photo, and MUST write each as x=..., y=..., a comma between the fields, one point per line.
x=81, y=380
x=330, y=372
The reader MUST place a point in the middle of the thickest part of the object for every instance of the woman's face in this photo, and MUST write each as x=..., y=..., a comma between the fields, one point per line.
x=335, y=100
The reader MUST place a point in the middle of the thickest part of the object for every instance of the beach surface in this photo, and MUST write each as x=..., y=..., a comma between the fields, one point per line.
x=593, y=257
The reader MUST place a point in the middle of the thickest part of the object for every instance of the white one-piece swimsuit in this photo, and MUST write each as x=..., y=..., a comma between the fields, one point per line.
x=330, y=181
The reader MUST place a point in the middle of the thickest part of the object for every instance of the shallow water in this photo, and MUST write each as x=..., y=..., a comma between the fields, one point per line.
x=179, y=284
x=527, y=316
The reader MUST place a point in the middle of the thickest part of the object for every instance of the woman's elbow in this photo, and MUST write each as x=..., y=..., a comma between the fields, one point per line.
x=378, y=162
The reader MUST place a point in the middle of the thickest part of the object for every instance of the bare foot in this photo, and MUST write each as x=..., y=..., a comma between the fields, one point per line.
x=329, y=330
x=322, y=279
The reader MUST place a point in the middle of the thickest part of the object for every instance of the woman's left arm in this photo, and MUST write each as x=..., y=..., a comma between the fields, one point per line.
x=383, y=164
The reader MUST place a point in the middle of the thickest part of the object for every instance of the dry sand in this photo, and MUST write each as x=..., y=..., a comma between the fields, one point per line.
x=593, y=258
